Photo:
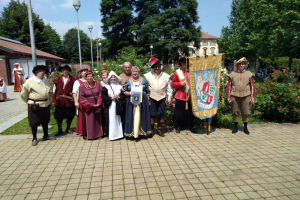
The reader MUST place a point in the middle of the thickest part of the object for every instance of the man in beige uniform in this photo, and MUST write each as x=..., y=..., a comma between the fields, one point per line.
x=240, y=93
x=36, y=94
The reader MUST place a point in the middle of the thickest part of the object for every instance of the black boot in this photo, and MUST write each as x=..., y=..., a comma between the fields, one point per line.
x=60, y=132
x=68, y=130
x=235, y=128
x=246, y=129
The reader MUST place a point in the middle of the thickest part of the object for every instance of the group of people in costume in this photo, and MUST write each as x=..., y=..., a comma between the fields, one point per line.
x=125, y=105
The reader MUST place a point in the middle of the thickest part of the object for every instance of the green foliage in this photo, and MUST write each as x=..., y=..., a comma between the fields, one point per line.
x=280, y=63
x=167, y=25
x=14, y=24
x=262, y=27
x=70, y=42
x=278, y=99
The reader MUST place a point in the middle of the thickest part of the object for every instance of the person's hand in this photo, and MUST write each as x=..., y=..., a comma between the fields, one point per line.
x=53, y=104
x=131, y=93
x=77, y=104
x=117, y=97
x=251, y=100
x=183, y=83
x=96, y=105
x=229, y=100
x=169, y=102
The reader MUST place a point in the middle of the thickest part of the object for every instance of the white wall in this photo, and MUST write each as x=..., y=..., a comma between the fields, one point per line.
x=27, y=66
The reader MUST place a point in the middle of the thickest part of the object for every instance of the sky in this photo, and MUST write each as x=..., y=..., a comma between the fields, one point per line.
x=61, y=15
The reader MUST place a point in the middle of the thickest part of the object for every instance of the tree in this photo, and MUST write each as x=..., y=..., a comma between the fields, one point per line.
x=118, y=21
x=172, y=29
x=70, y=42
x=14, y=24
x=263, y=27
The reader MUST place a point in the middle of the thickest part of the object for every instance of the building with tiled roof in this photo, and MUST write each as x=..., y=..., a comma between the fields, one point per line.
x=208, y=45
x=12, y=51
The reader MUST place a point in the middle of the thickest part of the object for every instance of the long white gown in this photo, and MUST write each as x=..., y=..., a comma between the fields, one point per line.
x=115, y=123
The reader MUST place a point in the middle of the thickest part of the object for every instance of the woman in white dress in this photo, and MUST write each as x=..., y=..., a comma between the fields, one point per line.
x=111, y=95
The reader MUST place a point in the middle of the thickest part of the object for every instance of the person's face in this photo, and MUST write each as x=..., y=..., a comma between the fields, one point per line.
x=104, y=76
x=40, y=73
x=135, y=74
x=157, y=69
x=183, y=64
x=65, y=72
x=83, y=73
x=90, y=78
x=211, y=76
x=241, y=66
x=113, y=79
x=16, y=66
x=127, y=68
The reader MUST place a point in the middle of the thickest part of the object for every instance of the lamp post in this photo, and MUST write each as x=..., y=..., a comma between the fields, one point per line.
x=100, y=50
x=97, y=52
x=151, y=47
x=90, y=26
x=32, y=41
x=76, y=4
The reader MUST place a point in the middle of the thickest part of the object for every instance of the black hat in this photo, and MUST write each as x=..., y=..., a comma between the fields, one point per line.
x=184, y=60
x=40, y=67
x=64, y=67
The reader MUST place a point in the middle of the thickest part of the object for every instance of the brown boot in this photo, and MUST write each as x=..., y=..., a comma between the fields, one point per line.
x=159, y=130
x=34, y=142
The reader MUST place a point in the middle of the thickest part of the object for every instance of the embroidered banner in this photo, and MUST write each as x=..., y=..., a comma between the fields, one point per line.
x=204, y=84
x=136, y=98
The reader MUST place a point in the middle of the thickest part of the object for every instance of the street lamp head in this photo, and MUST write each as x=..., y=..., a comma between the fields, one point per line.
x=76, y=4
x=100, y=44
x=90, y=27
x=151, y=47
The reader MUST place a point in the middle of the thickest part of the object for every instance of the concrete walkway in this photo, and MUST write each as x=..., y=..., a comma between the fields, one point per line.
x=12, y=110
x=263, y=165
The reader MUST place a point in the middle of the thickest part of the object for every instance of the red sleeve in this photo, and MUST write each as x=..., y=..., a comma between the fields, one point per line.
x=228, y=88
x=176, y=83
x=99, y=100
x=87, y=106
x=252, y=87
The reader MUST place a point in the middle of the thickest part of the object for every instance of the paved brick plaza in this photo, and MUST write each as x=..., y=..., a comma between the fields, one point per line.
x=264, y=165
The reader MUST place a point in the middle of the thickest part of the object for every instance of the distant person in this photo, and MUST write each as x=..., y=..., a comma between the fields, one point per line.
x=3, y=90
x=18, y=74
x=240, y=94
x=104, y=75
x=36, y=94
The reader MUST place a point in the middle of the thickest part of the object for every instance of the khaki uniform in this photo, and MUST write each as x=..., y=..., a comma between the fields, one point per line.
x=240, y=89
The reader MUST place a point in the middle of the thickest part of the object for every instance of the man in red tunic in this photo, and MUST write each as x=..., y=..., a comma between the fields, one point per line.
x=181, y=81
x=62, y=99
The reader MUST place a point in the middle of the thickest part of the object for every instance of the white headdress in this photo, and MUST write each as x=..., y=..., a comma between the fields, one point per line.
x=112, y=73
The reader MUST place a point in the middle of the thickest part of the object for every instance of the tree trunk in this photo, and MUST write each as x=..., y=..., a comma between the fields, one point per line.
x=256, y=66
x=290, y=62
x=166, y=57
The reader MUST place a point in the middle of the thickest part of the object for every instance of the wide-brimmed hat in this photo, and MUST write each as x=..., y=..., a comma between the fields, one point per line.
x=243, y=59
x=183, y=60
x=40, y=67
x=154, y=61
x=112, y=73
x=64, y=67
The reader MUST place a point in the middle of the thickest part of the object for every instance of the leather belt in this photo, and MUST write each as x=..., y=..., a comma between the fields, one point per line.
x=65, y=96
x=38, y=100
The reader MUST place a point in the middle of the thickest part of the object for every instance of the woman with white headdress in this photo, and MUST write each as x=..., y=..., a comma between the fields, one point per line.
x=3, y=90
x=18, y=74
x=113, y=105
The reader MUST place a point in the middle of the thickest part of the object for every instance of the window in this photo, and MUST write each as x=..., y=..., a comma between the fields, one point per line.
x=212, y=43
x=212, y=50
x=205, y=43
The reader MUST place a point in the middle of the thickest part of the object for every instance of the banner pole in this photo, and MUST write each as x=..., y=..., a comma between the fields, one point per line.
x=223, y=66
x=186, y=103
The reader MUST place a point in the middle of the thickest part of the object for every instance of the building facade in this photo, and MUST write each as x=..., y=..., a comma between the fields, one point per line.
x=208, y=46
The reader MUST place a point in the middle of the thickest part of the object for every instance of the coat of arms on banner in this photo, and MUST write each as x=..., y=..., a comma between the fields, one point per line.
x=204, y=85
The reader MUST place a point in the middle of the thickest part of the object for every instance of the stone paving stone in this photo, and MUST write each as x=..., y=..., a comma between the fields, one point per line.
x=263, y=165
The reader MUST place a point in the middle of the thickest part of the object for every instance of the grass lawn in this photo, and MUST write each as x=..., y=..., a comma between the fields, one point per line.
x=22, y=127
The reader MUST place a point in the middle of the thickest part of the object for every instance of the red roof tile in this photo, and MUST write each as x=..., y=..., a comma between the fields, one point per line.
x=207, y=36
x=22, y=49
